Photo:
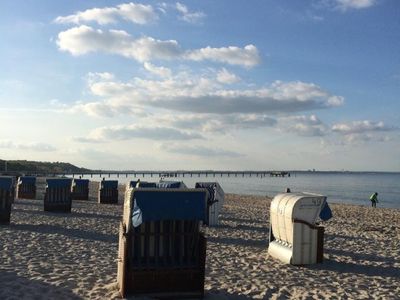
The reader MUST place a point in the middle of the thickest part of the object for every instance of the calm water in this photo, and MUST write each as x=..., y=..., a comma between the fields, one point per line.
x=352, y=188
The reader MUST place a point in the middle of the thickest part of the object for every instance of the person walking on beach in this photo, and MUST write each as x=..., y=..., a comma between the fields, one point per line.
x=374, y=199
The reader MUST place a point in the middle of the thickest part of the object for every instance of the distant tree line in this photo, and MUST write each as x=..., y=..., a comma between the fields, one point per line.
x=39, y=166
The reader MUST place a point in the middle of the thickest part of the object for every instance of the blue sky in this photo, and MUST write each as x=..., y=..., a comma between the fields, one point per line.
x=202, y=84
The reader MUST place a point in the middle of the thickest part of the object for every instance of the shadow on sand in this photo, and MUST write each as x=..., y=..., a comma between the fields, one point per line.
x=244, y=227
x=215, y=294
x=361, y=256
x=14, y=286
x=75, y=233
x=73, y=214
x=239, y=242
x=346, y=267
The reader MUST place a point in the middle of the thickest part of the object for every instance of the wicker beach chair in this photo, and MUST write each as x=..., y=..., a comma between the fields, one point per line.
x=57, y=196
x=26, y=187
x=171, y=184
x=295, y=237
x=215, y=201
x=6, y=197
x=108, y=192
x=161, y=249
x=80, y=189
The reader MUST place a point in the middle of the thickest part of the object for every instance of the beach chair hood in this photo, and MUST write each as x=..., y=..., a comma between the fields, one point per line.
x=142, y=205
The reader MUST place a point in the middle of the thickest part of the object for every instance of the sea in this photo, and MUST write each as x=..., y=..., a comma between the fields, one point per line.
x=338, y=187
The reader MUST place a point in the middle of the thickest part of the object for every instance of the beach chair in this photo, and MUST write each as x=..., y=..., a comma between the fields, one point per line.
x=6, y=197
x=108, y=192
x=171, y=184
x=57, y=197
x=80, y=189
x=215, y=201
x=295, y=237
x=161, y=249
x=26, y=187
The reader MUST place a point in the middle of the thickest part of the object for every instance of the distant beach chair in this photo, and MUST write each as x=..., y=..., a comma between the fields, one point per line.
x=57, y=197
x=161, y=249
x=80, y=189
x=6, y=198
x=295, y=237
x=26, y=187
x=215, y=201
x=108, y=192
x=143, y=184
x=171, y=184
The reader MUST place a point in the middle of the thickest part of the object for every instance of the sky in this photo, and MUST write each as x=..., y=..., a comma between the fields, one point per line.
x=223, y=85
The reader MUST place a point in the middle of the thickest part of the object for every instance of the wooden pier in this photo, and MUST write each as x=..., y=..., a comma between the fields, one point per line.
x=162, y=174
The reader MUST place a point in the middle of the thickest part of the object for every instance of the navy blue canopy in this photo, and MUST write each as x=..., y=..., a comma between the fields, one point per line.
x=326, y=212
x=170, y=184
x=109, y=184
x=81, y=182
x=59, y=182
x=146, y=184
x=142, y=184
x=155, y=205
x=6, y=183
x=27, y=179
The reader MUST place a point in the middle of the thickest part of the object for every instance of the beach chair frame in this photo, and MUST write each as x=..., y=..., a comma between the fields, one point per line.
x=215, y=201
x=80, y=190
x=58, y=199
x=107, y=195
x=6, y=199
x=161, y=259
x=26, y=190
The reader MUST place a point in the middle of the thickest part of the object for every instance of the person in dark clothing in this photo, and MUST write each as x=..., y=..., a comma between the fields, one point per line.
x=374, y=199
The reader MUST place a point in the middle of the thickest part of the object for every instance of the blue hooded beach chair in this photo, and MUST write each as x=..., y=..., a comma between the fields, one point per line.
x=6, y=198
x=80, y=189
x=108, y=192
x=161, y=249
x=26, y=187
x=57, y=196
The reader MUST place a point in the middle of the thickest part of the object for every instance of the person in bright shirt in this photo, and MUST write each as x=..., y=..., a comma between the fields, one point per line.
x=374, y=199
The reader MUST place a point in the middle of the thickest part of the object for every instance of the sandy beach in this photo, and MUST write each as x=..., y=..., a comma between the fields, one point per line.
x=74, y=256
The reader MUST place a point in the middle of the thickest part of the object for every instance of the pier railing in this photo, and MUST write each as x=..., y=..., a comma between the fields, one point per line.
x=161, y=174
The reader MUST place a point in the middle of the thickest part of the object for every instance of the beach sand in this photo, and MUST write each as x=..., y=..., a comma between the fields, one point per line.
x=74, y=256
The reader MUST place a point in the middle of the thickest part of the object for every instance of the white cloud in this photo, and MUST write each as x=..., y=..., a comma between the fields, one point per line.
x=187, y=16
x=304, y=125
x=224, y=76
x=32, y=146
x=203, y=94
x=98, y=76
x=360, y=132
x=109, y=133
x=213, y=123
x=135, y=13
x=160, y=71
x=345, y=5
x=247, y=56
x=360, y=127
x=200, y=151
x=84, y=39
x=104, y=109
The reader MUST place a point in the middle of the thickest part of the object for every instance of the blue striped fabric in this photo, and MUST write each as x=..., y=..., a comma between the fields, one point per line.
x=81, y=182
x=161, y=204
x=27, y=179
x=59, y=182
x=6, y=183
x=109, y=184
